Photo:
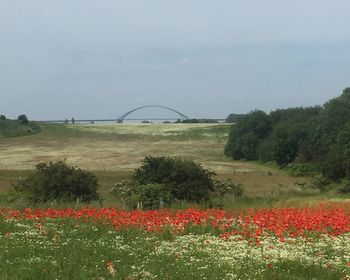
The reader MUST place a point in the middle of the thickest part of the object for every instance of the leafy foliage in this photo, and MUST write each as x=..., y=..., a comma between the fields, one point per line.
x=23, y=119
x=316, y=139
x=154, y=192
x=228, y=187
x=246, y=136
x=58, y=181
x=172, y=179
x=125, y=189
x=345, y=187
x=184, y=179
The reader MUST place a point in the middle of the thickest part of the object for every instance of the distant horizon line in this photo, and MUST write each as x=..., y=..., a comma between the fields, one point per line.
x=131, y=119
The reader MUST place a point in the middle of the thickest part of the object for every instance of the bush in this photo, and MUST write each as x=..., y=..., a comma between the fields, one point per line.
x=170, y=180
x=2, y=117
x=320, y=183
x=183, y=179
x=225, y=193
x=303, y=169
x=345, y=187
x=58, y=181
x=131, y=193
x=228, y=187
x=154, y=192
x=125, y=189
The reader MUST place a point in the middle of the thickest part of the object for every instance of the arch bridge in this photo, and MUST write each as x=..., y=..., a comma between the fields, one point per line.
x=122, y=117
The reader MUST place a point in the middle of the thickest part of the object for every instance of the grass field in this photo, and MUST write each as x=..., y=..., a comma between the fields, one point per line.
x=113, y=151
x=12, y=128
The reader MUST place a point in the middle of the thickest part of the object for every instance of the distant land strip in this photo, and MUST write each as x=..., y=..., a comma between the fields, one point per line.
x=116, y=120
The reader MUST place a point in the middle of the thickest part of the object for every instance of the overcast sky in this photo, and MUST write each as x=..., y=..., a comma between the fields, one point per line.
x=99, y=59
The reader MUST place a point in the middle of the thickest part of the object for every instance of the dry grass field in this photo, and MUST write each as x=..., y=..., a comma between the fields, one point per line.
x=113, y=151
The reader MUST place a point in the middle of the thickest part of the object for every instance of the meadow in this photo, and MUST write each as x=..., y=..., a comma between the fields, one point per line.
x=113, y=151
x=277, y=230
x=285, y=243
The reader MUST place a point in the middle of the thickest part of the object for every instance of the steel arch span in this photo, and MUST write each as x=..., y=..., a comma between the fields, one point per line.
x=122, y=117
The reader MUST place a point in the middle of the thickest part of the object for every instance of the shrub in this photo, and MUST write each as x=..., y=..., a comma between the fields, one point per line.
x=125, y=189
x=320, y=182
x=58, y=181
x=228, y=187
x=345, y=187
x=303, y=169
x=183, y=179
x=154, y=192
x=225, y=192
x=131, y=193
x=172, y=179
x=2, y=117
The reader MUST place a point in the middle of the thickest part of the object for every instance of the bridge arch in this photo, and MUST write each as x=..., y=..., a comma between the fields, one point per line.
x=122, y=117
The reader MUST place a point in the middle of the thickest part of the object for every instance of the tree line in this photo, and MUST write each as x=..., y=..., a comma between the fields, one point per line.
x=21, y=119
x=311, y=140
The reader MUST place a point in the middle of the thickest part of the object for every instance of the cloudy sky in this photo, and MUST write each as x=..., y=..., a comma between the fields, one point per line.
x=99, y=59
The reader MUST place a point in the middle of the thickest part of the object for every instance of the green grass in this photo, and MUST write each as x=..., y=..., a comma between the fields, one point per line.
x=7, y=177
x=11, y=128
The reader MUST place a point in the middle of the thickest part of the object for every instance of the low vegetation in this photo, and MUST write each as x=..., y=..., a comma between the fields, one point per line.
x=113, y=151
x=285, y=243
x=171, y=180
x=55, y=182
x=183, y=179
x=19, y=127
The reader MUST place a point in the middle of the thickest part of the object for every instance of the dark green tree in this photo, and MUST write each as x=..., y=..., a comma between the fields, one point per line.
x=285, y=146
x=233, y=118
x=346, y=90
x=315, y=139
x=334, y=116
x=246, y=136
x=22, y=119
x=337, y=162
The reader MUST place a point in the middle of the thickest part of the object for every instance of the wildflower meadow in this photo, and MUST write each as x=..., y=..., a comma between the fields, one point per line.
x=89, y=243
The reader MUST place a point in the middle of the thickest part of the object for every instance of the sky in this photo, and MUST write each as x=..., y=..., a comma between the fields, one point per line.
x=99, y=59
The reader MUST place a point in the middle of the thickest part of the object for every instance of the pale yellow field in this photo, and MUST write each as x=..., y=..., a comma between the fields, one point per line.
x=120, y=148
x=140, y=129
